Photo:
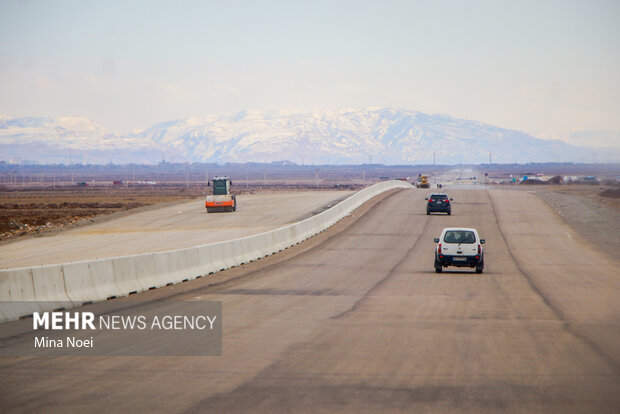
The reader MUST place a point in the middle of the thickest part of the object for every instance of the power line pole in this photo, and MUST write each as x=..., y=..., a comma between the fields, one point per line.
x=71, y=166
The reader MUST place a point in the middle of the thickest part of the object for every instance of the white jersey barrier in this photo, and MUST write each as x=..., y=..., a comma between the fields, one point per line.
x=98, y=280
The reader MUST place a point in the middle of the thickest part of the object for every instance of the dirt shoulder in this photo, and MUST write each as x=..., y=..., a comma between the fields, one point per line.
x=595, y=218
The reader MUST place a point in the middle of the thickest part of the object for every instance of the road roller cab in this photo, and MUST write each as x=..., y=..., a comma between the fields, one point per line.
x=222, y=199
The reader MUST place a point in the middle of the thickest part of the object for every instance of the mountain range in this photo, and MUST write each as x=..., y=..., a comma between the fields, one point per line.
x=371, y=135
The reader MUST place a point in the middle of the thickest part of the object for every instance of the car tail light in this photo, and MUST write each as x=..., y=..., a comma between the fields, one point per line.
x=430, y=200
x=446, y=200
x=439, y=249
x=479, y=250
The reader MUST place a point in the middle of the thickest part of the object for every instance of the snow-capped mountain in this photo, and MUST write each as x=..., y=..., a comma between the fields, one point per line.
x=377, y=135
x=59, y=140
x=71, y=132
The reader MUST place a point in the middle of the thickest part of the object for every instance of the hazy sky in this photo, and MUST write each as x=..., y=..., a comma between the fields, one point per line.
x=545, y=67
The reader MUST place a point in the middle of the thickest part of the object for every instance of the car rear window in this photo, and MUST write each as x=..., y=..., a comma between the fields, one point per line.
x=439, y=196
x=459, y=236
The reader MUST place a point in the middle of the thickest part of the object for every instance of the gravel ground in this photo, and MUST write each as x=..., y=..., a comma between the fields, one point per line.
x=596, y=222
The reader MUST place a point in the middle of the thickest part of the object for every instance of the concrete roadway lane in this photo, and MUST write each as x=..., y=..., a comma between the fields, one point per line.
x=171, y=227
x=361, y=323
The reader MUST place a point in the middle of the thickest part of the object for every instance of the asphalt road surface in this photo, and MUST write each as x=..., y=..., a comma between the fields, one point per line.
x=361, y=323
x=172, y=227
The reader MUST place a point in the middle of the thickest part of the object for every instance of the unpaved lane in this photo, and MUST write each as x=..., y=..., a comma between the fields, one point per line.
x=172, y=227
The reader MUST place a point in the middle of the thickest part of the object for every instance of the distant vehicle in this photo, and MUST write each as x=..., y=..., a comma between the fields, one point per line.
x=221, y=200
x=423, y=183
x=440, y=203
x=460, y=247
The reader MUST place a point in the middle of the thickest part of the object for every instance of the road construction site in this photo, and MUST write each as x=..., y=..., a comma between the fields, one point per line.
x=356, y=320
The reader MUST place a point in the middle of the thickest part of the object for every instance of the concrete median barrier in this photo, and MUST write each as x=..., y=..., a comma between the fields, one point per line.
x=125, y=276
x=98, y=280
x=17, y=285
x=49, y=284
x=90, y=281
x=206, y=261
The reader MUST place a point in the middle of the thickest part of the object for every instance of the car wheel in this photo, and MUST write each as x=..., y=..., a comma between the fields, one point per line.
x=428, y=212
x=437, y=266
x=449, y=212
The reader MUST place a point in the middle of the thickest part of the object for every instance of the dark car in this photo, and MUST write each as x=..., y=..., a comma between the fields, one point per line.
x=439, y=203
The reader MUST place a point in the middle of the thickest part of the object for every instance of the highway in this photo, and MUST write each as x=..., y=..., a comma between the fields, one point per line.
x=170, y=227
x=359, y=322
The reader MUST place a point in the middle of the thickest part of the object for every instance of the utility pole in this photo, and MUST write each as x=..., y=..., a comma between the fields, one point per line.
x=433, y=158
x=70, y=165
x=207, y=178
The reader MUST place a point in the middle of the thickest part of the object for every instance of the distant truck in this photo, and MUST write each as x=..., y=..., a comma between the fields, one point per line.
x=423, y=182
x=221, y=200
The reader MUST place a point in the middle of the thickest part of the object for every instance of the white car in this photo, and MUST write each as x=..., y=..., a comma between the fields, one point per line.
x=460, y=247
